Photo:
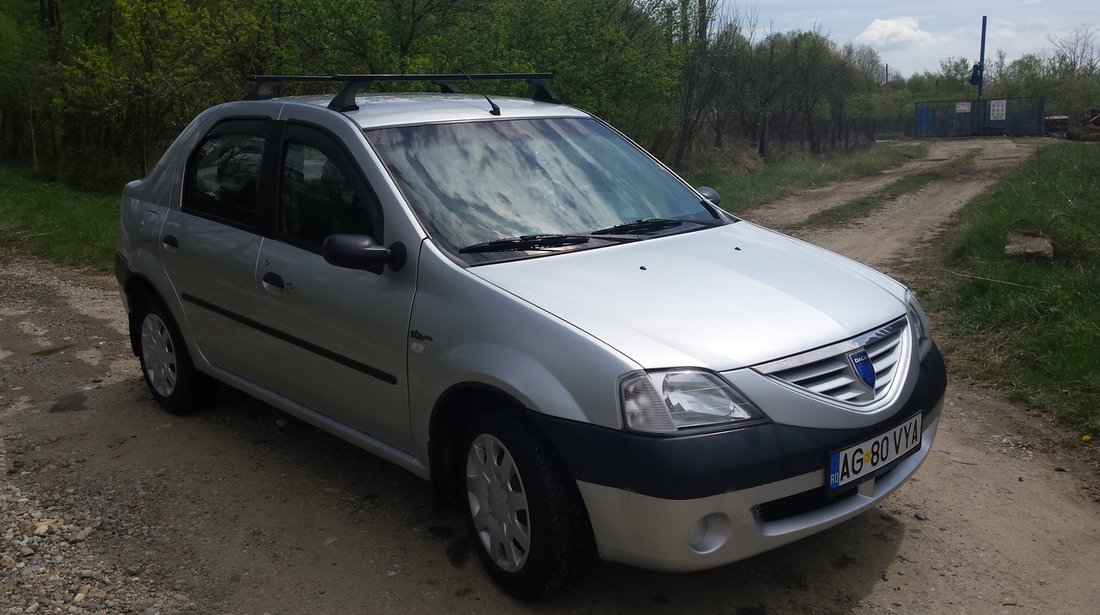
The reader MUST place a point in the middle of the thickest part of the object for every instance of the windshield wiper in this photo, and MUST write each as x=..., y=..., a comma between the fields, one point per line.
x=649, y=225
x=526, y=242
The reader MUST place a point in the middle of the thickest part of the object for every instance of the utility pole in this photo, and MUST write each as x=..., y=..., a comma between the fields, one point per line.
x=977, y=74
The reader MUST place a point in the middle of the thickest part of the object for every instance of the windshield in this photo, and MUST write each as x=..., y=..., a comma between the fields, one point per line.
x=479, y=182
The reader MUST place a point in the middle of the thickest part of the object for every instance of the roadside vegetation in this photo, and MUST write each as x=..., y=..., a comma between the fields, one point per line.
x=1031, y=326
x=909, y=184
x=57, y=222
x=92, y=92
x=741, y=191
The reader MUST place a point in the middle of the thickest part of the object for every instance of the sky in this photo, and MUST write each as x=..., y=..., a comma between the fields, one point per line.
x=914, y=36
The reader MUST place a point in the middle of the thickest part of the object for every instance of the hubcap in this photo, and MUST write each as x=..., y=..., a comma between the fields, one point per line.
x=498, y=502
x=159, y=355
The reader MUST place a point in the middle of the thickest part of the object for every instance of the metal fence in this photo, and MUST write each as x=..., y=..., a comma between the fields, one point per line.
x=1014, y=117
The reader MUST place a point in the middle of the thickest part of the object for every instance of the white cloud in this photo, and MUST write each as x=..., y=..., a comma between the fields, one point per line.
x=895, y=32
x=914, y=37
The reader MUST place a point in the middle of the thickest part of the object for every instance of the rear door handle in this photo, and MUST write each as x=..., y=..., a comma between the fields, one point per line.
x=170, y=241
x=273, y=282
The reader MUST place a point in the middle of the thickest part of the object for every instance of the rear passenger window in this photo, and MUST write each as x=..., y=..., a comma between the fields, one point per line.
x=318, y=197
x=223, y=176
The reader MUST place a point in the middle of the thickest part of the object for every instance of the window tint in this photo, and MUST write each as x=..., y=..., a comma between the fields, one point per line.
x=317, y=198
x=223, y=176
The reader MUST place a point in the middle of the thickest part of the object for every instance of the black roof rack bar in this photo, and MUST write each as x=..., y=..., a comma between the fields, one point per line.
x=345, y=99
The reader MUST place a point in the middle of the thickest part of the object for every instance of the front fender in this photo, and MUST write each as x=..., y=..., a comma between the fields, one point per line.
x=514, y=374
x=466, y=331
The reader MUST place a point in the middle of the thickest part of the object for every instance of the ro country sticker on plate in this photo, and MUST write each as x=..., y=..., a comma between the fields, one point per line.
x=864, y=458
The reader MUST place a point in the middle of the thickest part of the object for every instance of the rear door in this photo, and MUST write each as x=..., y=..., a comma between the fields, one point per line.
x=210, y=245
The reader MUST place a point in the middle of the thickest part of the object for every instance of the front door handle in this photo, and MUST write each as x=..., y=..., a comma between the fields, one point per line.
x=273, y=282
x=170, y=241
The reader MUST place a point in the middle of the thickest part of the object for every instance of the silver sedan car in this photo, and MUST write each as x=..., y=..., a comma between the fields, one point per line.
x=511, y=299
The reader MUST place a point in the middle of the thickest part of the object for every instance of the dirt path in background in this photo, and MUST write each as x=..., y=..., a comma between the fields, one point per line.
x=241, y=509
x=898, y=230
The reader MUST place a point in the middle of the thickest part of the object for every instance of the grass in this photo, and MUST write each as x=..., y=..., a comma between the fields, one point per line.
x=742, y=191
x=909, y=184
x=1031, y=327
x=56, y=222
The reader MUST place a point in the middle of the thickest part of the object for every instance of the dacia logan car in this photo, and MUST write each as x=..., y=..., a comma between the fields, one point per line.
x=511, y=299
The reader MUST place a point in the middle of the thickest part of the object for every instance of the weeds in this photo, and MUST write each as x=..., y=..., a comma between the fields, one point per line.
x=57, y=222
x=1030, y=326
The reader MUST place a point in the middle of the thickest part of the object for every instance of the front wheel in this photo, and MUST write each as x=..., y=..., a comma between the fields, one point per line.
x=525, y=515
x=165, y=362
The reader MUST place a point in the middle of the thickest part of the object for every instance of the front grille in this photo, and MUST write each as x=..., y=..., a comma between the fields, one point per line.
x=828, y=371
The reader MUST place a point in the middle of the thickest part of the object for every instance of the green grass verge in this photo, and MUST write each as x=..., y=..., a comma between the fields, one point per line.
x=909, y=184
x=742, y=191
x=1031, y=327
x=56, y=222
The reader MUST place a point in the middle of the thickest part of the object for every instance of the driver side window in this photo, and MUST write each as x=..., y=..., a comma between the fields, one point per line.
x=317, y=198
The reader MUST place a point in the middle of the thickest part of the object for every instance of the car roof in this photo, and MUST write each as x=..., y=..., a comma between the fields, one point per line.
x=399, y=109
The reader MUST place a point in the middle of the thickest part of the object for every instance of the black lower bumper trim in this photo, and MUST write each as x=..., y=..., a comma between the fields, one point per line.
x=688, y=467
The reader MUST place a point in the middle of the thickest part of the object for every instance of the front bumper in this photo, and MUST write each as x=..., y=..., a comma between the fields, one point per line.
x=685, y=535
x=697, y=502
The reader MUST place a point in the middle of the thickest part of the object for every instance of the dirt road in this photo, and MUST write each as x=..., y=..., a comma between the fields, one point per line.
x=109, y=505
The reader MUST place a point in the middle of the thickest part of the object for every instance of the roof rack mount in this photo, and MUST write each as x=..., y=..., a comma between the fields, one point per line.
x=345, y=99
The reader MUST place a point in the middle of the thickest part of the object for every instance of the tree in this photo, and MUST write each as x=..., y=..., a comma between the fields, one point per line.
x=1075, y=54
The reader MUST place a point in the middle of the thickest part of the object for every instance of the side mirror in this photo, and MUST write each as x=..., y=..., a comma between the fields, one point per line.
x=709, y=194
x=360, y=252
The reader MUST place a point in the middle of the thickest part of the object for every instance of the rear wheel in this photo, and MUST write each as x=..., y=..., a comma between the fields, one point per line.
x=525, y=515
x=165, y=362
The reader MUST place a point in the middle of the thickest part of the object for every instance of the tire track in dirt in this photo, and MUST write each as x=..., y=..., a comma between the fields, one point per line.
x=904, y=226
x=788, y=213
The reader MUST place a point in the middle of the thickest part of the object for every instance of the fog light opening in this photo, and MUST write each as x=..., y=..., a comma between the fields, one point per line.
x=709, y=533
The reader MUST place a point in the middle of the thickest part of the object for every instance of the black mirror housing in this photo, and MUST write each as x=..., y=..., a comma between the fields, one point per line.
x=709, y=194
x=360, y=252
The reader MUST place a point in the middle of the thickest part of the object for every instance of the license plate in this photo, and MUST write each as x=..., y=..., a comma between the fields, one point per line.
x=863, y=459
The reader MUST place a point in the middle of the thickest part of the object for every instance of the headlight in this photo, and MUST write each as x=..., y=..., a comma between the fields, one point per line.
x=667, y=401
x=918, y=322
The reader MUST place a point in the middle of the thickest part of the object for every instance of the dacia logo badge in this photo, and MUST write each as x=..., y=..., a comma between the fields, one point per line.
x=864, y=369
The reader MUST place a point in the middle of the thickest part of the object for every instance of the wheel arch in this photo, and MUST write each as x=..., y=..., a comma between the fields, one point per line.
x=138, y=289
x=445, y=430
x=557, y=554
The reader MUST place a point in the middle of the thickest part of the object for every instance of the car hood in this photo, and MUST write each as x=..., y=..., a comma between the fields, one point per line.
x=719, y=298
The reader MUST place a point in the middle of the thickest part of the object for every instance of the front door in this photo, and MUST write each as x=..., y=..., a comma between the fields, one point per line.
x=337, y=337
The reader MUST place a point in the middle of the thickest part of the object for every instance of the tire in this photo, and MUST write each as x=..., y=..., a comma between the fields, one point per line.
x=165, y=363
x=526, y=519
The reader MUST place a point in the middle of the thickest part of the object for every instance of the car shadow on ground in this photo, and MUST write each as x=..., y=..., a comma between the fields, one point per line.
x=263, y=512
